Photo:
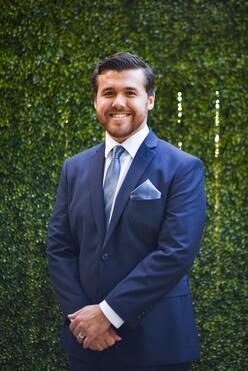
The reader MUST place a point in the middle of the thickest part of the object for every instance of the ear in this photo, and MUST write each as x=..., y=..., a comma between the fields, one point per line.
x=150, y=101
x=95, y=102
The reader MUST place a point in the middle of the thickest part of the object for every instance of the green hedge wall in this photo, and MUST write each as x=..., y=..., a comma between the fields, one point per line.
x=48, y=52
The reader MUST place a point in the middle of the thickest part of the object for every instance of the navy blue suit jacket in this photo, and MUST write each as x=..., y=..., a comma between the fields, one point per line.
x=140, y=264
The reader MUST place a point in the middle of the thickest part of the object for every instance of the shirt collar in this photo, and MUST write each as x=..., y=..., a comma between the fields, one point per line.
x=131, y=144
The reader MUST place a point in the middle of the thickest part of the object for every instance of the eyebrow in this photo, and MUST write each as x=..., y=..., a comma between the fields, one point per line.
x=111, y=88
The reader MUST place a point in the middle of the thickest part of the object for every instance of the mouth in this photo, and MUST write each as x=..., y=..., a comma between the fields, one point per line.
x=119, y=115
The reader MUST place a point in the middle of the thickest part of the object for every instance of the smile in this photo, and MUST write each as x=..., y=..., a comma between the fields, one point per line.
x=119, y=116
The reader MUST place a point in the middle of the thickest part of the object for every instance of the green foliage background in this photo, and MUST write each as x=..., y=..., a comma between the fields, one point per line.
x=48, y=52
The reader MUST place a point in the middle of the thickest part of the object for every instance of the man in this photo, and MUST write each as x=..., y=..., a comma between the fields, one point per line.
x=124, y=233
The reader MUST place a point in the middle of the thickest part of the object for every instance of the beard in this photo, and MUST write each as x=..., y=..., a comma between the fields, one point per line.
x=122, y=129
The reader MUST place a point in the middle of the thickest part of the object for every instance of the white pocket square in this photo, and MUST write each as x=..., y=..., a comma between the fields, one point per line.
x=145, y=191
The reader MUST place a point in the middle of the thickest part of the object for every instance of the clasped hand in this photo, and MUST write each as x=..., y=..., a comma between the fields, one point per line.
x=92, y=329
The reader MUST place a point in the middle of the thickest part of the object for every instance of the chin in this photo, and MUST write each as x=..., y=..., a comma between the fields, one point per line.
x=119, y=136
x=118, y=130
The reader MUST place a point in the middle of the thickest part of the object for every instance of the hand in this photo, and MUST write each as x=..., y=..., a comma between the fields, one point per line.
x=104, y=341
x=88, y=322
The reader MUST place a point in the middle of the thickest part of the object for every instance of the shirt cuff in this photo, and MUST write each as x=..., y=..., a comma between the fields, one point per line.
x=111, y=315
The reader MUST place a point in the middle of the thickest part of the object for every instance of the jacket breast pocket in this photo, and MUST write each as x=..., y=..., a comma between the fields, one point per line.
x=146, y=214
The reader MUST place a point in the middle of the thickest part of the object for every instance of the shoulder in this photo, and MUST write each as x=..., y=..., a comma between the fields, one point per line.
x=181, y=168
x=83, y=156
x=86, y=154
x=80, y=162
x=177, y=157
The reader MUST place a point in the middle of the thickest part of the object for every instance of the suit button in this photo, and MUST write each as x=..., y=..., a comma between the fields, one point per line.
x=105, y=256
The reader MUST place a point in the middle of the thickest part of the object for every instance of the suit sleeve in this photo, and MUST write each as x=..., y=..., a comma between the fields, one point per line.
x=63, y=254
x=177, y=247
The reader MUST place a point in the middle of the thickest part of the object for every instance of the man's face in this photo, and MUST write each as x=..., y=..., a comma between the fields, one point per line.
x=122, y=103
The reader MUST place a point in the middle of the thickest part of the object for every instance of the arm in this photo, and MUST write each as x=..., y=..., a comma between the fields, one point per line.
x=63, y=268
x=62, y=254
x=177, y=246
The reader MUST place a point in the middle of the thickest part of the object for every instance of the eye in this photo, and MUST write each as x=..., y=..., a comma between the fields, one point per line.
x=131, y=93
x=108, y=94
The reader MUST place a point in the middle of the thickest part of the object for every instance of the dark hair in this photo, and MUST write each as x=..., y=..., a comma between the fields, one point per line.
x=124, y=61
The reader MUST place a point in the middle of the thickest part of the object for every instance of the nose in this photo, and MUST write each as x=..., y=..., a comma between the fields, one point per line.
x=119, y=102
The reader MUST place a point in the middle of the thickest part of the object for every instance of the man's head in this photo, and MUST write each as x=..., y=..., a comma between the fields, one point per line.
x=125, y=61
x=123, y=94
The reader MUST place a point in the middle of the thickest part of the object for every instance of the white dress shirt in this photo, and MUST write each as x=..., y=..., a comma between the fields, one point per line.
x=131, y=146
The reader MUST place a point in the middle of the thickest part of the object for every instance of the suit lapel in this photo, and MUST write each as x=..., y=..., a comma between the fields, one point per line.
x=96, y=191
x=142, y=159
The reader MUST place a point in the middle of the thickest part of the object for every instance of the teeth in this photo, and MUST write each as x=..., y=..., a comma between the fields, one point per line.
x=119, y=115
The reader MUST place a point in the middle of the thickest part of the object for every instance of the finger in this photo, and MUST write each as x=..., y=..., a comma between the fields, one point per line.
x=110, y=339
x=114, y=334
x=99, y=345
x=73, y=326
x=79, y=332
x=80, y=338
x=86, y=345
x=74, y=323
x=94, y=344
x=105, y=341
x=87, y=342
x=117, y=337
x=102, y=344
x=77, y=329
x=93, y=347
x=77, y=326
x=74, y=315
x=109, y=342
x=96, y=347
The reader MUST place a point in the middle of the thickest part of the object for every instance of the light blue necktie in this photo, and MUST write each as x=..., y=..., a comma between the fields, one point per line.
x=111, y=180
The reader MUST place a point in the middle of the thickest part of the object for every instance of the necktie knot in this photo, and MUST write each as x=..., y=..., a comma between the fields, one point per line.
x=117, y=152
